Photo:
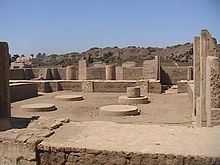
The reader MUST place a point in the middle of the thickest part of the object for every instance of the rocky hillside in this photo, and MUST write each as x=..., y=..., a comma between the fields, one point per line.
x=181, y=54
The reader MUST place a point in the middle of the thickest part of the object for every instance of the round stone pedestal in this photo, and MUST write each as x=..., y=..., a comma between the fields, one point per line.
x=118, y=110
x=38, y=107
x=69, y=97
x=127, y=100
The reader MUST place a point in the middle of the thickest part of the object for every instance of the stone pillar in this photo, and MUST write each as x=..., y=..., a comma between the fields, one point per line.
x=133, y=92
x=157, y=61
x=189, y=73
x=196, y=72
x=213, y=90
x=55, y=74
x=110, y=72
x=5, y=104
x=119, y=73
x=82, y=70
x=207, y=48
x=70, y=73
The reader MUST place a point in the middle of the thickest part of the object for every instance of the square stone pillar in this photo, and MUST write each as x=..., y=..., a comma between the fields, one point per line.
x=5, y=104
x=110, y=72
x=213, y=90
x=157, y=61
x=208, y=47
x=82, y=70
x=196, y=72
x=119, y=72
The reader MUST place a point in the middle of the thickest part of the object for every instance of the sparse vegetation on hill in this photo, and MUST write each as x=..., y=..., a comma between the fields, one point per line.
x=181, y=54
x=109, y=55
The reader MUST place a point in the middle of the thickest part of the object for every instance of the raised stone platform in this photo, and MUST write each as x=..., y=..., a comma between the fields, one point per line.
x=137, y=100
x=118, y=110
x=69, y=97
x=39, y=107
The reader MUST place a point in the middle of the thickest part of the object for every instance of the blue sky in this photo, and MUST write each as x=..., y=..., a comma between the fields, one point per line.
x=61, y=26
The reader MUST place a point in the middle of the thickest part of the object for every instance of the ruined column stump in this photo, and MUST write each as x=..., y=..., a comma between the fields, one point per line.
x=118, y=110
x=133, y=92
x=110, y=72
x=133, y=97
x=5, y=104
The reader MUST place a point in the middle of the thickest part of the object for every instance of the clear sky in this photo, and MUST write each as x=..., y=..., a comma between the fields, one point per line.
x=61, y=26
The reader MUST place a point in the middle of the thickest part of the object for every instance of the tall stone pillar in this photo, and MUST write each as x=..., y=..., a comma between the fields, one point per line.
x=213, y=90
x=119, y=71
x=110, y=72
x=207, y=48
x=157, y=60
x=82, y=70
x=190, y=73
x=196, y=72
x=70, y=73
x=5, y=104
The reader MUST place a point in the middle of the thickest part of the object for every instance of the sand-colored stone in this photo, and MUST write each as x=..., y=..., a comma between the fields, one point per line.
x=70, y=73
x=118, y=110
x=137, y=100
x=133, y=92
x=110, y=72
x=39, y=107
x=69, y=97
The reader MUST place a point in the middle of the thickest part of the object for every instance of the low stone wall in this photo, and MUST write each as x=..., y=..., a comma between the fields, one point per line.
x=171, y=75
x=182, y=86
x=113, y=86
x=83, y=156
x=46, y=86
x=21, y=91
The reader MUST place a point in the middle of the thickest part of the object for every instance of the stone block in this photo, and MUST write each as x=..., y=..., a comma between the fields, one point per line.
x=182, y=86
x=154, y=86
x=87, y=86
x=133, y=92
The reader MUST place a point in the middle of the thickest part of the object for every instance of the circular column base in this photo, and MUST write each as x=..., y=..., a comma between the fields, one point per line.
x=69, y=97
x=137, y=100
x=39, y=107
x=118, y=110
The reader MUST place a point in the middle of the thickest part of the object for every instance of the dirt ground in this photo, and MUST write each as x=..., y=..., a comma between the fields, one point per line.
x=168, y=108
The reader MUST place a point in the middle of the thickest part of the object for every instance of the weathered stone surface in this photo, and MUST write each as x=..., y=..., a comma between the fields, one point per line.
x=82, y=70
x=45, y=74
x=110, y=72
x=182, y=86
x=70, y=73
x=133, y=92
x=87, y=86
x=5, y=103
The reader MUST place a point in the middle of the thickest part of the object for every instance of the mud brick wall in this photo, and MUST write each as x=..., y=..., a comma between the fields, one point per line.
x=171, y=75
x=97, y=157
x=112, y=86
x=94, y=73
x=17, y=74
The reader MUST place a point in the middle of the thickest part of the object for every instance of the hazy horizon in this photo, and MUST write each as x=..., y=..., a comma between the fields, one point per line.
x=59, y=27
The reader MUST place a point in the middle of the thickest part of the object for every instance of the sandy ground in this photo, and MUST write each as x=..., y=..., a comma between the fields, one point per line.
x=171, y=108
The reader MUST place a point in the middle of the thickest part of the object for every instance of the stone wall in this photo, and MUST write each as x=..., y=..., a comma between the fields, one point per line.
x=132, y=73
x=94, y=73
x=17, y=74
x=171, y=75
x=88, y=156
x=149, y=69
x=113, y=86
x=21, y=91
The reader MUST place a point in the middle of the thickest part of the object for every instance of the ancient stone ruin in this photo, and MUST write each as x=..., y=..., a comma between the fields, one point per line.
x=112, y=114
